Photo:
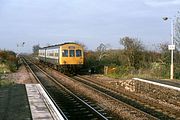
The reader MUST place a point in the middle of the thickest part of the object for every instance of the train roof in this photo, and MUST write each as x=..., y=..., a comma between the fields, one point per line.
x=59, y=45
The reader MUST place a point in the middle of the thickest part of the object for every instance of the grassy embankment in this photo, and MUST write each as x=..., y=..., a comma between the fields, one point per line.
x=8, y=64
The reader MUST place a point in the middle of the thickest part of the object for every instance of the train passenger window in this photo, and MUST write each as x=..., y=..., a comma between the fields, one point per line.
x=78, y=53
x=56, y=54
x=51, y=54
x=65, y=53
x=71, y=52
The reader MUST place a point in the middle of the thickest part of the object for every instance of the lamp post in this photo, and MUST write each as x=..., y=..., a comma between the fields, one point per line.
x=171, y=47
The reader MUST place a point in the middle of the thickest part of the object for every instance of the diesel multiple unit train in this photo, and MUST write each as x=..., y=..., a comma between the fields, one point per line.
x=63, y=57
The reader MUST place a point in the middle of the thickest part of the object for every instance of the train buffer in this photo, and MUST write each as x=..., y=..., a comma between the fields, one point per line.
x=40, y=104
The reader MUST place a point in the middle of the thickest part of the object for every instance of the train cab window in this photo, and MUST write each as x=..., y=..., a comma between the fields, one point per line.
x=65, y=53
x=71, y=53
x=78, y=53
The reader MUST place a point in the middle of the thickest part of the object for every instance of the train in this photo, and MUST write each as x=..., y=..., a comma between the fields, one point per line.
x=65, y=57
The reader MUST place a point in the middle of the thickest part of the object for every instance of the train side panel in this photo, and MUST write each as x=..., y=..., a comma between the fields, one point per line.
x=52, y=55
x=42, y=54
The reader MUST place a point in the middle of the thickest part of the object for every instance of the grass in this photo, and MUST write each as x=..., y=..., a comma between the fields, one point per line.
x=5, y=83
x=4, y=68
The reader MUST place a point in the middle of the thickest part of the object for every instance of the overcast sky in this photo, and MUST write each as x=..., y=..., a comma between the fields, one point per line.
x=87, y=21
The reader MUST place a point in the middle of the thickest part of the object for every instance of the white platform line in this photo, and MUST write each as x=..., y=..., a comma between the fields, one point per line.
x=159, y=84
x=39, y=99
x=50, y=104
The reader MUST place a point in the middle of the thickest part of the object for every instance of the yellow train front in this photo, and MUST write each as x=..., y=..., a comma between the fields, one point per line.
x=66, y=57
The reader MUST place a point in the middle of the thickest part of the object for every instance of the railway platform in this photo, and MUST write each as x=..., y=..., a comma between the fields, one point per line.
x=41, y=106
x=162, y=83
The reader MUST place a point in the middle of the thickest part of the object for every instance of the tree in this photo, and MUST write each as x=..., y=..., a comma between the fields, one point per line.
x=36, y=49
x=133, y=49
x=165, y=54
x=101, y=51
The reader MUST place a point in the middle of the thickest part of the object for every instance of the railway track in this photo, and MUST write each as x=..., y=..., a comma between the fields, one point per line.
x=131, y=100
x=72, y=106
x=131, y=103
x=152, y=113
x=123, y=100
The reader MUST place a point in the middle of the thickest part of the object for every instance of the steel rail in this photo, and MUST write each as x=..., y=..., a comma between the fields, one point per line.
x=117, y=99
x=54, y=80
x=61, y=112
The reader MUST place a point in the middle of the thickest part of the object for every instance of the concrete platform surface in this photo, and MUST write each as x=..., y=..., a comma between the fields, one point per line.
x=42, y=108
x=14, y=103
x=159, y=84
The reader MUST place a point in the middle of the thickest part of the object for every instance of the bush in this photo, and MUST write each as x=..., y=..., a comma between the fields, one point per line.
x=12, y=67
x=177, y=72
x=9, y=58
x=4, y=83
x=120, y=71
